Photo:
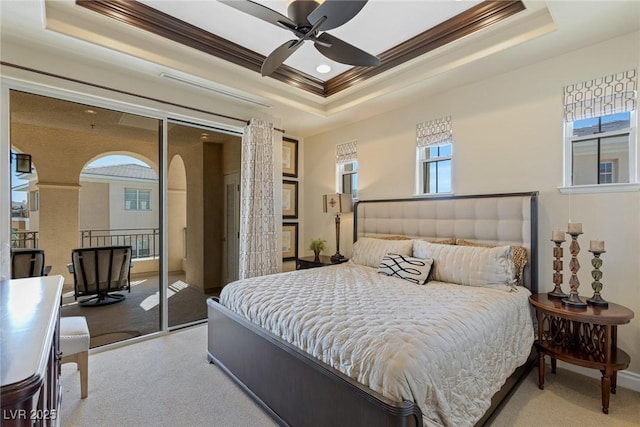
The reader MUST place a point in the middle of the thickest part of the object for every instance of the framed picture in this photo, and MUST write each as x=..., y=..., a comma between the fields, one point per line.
x=290, y=199
x=290, y=157
x=289, y=241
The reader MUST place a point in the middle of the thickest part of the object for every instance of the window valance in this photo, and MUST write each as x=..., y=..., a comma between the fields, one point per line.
x=615, y=93
x=434, y=132
x=347, y=152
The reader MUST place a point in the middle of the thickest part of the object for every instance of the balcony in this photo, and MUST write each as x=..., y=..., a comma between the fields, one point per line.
x=144, y=242
x=139, y=314
x=24, y=239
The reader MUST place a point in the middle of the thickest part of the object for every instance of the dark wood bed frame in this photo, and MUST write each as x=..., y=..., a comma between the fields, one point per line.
x=298, y=390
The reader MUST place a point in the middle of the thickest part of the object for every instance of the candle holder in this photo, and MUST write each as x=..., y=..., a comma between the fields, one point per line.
x=574, y=299
x=596, y=262
x=557, y=271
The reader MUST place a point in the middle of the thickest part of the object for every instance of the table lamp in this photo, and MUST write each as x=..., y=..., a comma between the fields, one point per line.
x=336, y=204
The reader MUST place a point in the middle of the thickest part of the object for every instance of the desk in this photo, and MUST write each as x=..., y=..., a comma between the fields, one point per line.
x=29, y=352
x=581, y=336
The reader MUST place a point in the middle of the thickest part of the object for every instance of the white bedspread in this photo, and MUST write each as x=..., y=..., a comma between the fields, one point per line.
x=447, y=347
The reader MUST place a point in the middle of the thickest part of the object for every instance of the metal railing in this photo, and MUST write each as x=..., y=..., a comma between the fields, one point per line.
x=144, y=242
x=24, y=239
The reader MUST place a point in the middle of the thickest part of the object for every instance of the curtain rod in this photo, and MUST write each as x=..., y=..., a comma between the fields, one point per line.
x=148, y=98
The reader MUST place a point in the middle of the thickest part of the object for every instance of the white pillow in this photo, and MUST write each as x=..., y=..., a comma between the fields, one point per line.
x=414, y=270
x=368, y=251
x=469, y=265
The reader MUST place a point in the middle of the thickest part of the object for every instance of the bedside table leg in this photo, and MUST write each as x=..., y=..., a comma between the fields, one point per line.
x=614, y=381
x=605, y=384
x=553, y=365
x=541, y=371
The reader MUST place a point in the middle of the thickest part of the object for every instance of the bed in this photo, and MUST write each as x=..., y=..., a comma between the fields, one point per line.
x=350, y=345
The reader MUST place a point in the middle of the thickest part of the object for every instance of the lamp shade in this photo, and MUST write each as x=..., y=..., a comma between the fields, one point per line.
x=337, y=203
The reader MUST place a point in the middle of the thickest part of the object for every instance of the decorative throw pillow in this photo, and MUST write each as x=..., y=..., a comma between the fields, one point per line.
x=395, y=238
x=412, y=269
x=469, y=265
x=369, y=251
x=518, y=256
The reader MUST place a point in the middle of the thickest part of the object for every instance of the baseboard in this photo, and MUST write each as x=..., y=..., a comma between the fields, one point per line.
x=626, y=379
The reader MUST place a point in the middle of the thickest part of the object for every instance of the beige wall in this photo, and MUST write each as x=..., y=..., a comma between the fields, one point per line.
x=204, y=207
x=94, y=205
x=232, y=152
x=176, y=213
x=121, y=218
x=508, y=134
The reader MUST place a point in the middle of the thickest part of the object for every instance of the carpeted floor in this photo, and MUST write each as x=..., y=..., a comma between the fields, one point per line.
x=166, y=381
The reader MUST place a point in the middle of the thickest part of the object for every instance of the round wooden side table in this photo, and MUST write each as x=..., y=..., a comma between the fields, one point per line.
x=582, y=336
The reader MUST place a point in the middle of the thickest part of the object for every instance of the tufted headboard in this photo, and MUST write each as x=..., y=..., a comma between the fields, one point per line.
x=492, y=219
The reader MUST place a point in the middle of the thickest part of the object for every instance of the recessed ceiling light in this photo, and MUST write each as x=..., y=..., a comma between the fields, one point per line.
x=323, y=68
x=90, y=111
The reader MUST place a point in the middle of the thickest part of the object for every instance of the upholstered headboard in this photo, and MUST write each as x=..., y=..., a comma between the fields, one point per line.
x=492, y=219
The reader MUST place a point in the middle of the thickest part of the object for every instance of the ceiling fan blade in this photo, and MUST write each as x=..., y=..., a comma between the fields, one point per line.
x=345, y=53
x=338, y=12
x=278, y=56
x=259, y=11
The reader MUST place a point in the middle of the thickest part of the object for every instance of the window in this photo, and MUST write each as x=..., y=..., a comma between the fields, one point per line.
x=137, y=200
x=598, y=145
x=348, y=178
x=347, y=168
x=435, y=169
x=434, y=157
x=600, y=132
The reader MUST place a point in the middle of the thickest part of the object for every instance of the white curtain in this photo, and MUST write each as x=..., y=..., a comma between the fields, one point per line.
x=259, y=249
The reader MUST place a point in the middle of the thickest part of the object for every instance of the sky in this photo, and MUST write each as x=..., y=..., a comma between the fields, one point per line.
x=21, y=196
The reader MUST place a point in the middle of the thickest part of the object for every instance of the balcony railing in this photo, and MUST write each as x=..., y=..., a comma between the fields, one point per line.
x=24, y=239
x=144, y=242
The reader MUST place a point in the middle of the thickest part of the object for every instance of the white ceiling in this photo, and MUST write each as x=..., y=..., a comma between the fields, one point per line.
x=543, y=30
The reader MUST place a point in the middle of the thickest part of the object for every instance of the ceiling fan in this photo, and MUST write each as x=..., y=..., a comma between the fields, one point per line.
x=308, y=20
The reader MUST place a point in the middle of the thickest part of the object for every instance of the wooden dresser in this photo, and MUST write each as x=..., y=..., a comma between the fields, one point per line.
x=29, y=351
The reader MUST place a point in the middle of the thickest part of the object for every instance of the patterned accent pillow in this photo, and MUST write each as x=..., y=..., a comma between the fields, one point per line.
x=369, y=251
x=395, y=238
x=415, y=270
x=518, y=255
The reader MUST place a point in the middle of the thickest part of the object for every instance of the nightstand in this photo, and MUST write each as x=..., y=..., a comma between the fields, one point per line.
x=313, y=262
x=582, y=336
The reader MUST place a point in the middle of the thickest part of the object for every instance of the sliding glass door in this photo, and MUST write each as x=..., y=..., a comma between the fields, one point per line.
x=200, y=235
x=94, y=183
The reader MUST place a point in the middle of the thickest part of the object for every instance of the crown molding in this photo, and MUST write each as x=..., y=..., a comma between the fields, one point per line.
x=152, y=20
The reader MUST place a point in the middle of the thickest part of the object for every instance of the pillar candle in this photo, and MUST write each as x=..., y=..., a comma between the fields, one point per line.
x=557, y=235
x=596, y=245
x=575, y=227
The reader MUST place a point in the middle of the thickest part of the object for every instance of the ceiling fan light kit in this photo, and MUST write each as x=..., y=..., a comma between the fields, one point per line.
x=309, y=20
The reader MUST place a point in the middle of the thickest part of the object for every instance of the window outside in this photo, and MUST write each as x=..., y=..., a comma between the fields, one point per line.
x=348, y=178
x=435, y=169
x=600, y=149
x=137, y=200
